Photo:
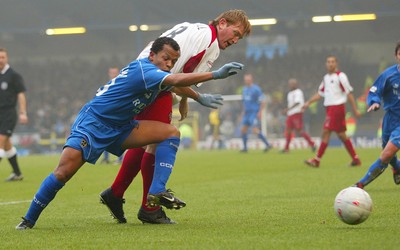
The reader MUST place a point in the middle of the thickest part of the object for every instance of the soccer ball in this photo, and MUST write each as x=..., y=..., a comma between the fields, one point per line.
x=353, y=205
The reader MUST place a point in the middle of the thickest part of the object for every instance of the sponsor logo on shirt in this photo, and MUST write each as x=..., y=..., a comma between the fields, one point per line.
x=4, y=85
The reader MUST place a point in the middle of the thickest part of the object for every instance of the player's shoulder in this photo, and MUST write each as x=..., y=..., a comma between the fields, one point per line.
x=341, y=73
x=256, y=86
x=11, y=71
x=187, y=26
x=142, y=64
x=392, y=70
x=298, y=91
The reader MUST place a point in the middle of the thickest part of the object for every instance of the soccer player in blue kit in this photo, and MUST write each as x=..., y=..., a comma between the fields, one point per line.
x=253, y=105
x=105, y=123
x=386, y=88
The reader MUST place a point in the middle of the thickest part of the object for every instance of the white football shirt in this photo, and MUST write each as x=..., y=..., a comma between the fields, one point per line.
x=335, y=88
x=293, y=97
x=199, y=47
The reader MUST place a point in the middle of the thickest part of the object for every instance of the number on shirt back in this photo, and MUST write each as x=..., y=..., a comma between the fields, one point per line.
x=177, y=31
x=103, y=89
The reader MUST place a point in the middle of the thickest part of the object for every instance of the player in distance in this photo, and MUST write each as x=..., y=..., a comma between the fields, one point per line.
x=335, y=88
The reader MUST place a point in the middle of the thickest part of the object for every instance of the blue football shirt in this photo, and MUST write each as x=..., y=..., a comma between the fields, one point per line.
x=123, y=97
x=252, y=98
x=386, y=88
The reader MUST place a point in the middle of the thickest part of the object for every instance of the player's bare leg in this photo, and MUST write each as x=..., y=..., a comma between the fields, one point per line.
x=70, y=162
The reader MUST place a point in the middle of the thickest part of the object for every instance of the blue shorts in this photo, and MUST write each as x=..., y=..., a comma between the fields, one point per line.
x=92, y=136
x=390, y=130
x=251, y=119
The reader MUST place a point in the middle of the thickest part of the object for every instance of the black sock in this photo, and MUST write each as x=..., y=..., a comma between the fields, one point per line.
x=14, y=164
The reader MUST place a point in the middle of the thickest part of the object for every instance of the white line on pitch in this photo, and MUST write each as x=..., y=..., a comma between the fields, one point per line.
x=14, y=202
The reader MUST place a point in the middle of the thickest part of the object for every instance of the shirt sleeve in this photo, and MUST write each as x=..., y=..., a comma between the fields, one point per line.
x=154, y=77
x=376, y=91
x=345, y=83
x=261, y=96
x=19, y=83
x=321, y=89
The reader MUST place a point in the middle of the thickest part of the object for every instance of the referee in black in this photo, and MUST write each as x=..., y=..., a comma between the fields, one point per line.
x=12, y=91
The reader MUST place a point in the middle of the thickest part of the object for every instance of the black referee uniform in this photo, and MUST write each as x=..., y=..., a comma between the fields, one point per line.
x=11, y=84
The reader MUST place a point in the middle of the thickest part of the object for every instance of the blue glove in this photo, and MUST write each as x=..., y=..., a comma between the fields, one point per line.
x=227, y=70
x=210, y=100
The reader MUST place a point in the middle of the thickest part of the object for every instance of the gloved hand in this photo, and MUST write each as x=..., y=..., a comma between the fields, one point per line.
x=227, y=70
x=210, y=100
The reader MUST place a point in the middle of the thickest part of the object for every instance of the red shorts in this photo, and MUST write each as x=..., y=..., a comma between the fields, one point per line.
x=295, y=121
x=160, y=110
x=335, y=119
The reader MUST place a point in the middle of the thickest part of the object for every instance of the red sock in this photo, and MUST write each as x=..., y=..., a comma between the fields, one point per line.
x=349, y=146
x=147, y=169
x=129, y=169
x=307, y=138
x=288, y=139
x=321, y=150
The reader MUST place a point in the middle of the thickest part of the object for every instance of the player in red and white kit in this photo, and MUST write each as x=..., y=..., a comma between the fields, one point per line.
x=335, y=89
x=294, y=120
x=200, y=46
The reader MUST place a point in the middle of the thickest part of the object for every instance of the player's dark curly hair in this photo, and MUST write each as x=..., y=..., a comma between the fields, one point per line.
x=161, y=41
x=397, y=48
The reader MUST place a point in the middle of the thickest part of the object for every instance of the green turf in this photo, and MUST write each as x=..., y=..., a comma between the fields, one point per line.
x=234, y=201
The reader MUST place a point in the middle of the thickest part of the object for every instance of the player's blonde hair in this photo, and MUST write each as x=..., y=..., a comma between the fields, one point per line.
x=234, y=17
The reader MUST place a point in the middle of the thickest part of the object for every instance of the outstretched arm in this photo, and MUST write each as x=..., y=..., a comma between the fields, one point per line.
x=23, y=117
x=207, y=100
x=188, y=79
x=353, y=105
x=314, y=98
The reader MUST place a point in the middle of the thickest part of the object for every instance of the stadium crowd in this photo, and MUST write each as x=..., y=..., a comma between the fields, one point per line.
x=56, y=89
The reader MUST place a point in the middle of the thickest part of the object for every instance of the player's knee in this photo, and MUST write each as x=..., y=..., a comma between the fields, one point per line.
x=61, y=175
x=173, y=131
x=386, y=156
x=151, y=149
x=176, y=132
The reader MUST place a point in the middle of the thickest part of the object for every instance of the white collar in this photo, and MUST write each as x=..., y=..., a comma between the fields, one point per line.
x=6, y=67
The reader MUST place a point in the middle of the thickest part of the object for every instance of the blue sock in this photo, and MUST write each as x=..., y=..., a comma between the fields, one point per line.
x=43, y=197
x=244, y=139
x=374, y=171
x=165, y=160
x=264, y=139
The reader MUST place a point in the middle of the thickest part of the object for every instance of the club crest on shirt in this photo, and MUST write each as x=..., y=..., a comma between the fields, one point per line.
x=4, y=85
x=84, y=143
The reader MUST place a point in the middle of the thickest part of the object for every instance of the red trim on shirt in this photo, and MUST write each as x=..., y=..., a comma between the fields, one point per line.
x=192, y=63
x=340, y=83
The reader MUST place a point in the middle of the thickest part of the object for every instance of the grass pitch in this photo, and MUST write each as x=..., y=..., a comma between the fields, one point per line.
x=234, y=201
